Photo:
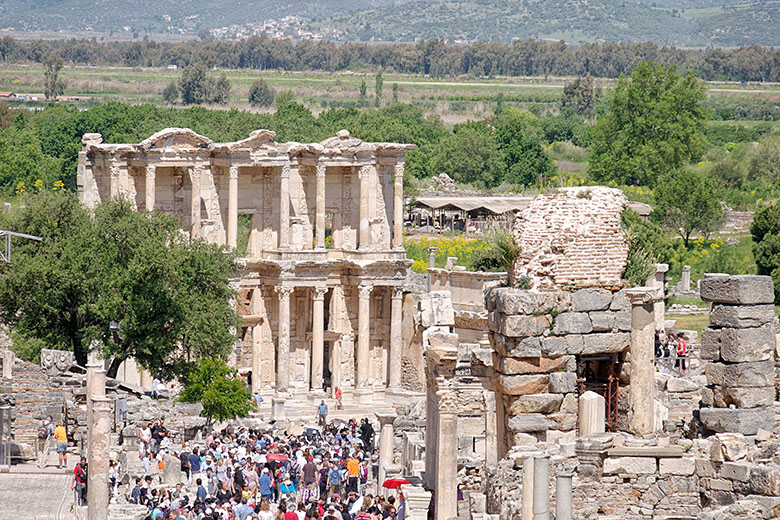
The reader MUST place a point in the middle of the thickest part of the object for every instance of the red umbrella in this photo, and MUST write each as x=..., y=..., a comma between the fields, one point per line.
x=395, y=483
x=278, y=457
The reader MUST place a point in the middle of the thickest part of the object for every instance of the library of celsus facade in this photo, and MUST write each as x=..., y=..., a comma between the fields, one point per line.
x=318, y=228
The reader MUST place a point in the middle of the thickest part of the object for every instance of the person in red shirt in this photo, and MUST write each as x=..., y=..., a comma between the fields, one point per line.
x=79, y=484
x=291, y=514
x=682, y=353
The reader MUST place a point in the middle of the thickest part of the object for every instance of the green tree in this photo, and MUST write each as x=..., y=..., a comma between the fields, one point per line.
x=580, y=96
x=194, y=85
x=764, y=161
x=519, y=137
x=766, y=244
x=687, y=202
x=363, y=91
x=171, y=93
x=471, y=155
x=219, y=90
x=53, y=86
x=395, y=93
x=653, y=125
x=218, y=388
x=285, y=97
x=378, y=86
x=170, y=294
x=260, y=94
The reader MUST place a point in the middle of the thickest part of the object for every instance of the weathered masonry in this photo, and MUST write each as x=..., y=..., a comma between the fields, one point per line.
x=321, y=294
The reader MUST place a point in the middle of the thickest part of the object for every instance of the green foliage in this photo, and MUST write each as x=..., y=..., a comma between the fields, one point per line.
x=647, y=236
x=218, y=388
x=53, y=86
x=378, y=86
x=580, y=96
x=363, y=91
x=764, y=161
x=686, y=202
x=171, y=296
x=395, y=92
x=639, y=266
x=466, y=250
x=766, y=248
x=471, y=155
x=498, y=256
x=219, y=90
x=171, y=93
x=285, y=97
x=653, y=125
x=193, y=85
x=260, y=94
x=519, y=139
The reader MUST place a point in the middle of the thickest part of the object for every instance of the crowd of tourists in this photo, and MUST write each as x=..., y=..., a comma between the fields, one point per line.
x=327, y=472
x=667, y=345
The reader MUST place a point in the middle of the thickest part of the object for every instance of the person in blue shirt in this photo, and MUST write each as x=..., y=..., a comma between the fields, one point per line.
x=244, y=510
x=194, y=460
x=322, y=413
x=265, y=485
x=201, y=490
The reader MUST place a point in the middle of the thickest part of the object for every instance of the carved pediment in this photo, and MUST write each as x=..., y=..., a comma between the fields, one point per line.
x=257, y=139
x=177, y=139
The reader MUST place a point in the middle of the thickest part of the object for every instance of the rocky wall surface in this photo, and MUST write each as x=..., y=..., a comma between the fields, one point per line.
x=537, y=337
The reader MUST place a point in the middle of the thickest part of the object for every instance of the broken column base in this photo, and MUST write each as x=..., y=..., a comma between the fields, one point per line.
x=277, y=409
x=737, y=420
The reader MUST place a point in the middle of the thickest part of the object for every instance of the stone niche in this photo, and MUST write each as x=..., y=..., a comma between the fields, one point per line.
x=548, y=346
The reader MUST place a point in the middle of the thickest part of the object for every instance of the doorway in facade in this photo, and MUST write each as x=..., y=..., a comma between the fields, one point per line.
x=599, y=373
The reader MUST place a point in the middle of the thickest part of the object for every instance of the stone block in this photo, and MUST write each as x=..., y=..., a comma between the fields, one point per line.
x=569, y=404
x=529, y=423
x=524, y=326
x=681, y=384
x=562, y=421
x=732, y=446
x=739, y=471
x=747, y=397
x=719, y=484
x=765, y=479
x=684, y=466
x=623, y=321
x=747, y=344
x=603, y=321
x=525, y=384
x=536, y=403
x=759, y=373
x=437, y=309
x=554, y=346
x=586, y=300
x=629, y=466
x=532, y=365
x=524, y=348
x=744, y=421
x=739, y=290
x=710, y=344
x=706, y=468
x=572, y=323
x=518, y=301
x=620, y=301
x=605, y=343
x=739, y=316
x=471, y=426
x=562, y=382
x=442, y=339
x=574, y=344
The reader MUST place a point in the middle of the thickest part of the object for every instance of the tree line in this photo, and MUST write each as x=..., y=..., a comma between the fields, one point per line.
x=433, y=57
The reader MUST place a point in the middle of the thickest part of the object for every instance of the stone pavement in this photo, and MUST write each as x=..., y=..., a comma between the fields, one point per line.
x=36, y=496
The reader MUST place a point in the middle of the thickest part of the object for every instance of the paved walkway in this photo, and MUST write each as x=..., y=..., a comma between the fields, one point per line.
x=35, y=496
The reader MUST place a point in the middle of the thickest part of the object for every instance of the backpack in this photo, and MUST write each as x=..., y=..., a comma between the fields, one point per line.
x=82, y=474
x=43, y=431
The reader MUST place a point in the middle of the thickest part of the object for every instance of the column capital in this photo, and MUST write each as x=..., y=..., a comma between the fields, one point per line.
x=319, y=292
x=284, y=291
x=151, y=171
x=364, y=171
x=233, y=172
x=113, y=169
x=448, y=401
x=196, y=169
x=286, y=170
x=399, y=169
x=644, y=295
x=320, y=169
x=385, y=418
x=364, y=290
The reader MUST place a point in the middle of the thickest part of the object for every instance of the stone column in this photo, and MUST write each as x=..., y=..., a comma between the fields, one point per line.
x=446, y=491
x=657, y=281
x=317, y=338
x=563, y=496
x=113, y=187
x=232, y=213
x=255, y=306
x=527, y=505
x=398, y=207
x=542, y=487
x=432, y=257
x=385, y=447
x=171, y=470
x=592, y=413
x=417, y=502
x=641, y=396
x=685, y=280
x=396, y=337
x=8, y=364
x=151, y=187
x=364, y=297
x=319, y=234
x=97, y=486
x=96, y=386
x=364, y=241
x=284, y=208
x=196, y=172
x=283, y=354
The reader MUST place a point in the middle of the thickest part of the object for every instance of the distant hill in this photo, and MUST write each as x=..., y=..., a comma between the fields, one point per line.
x=666, y=22
x=722, y=22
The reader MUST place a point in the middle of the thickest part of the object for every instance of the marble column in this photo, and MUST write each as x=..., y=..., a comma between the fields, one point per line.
x=96, y=386
x=364, y=297
x=685, y=279
x=283, y=353
x=113, y=187
x=398, y=207
x=150, y=187
x=396, y=337
x=592, y=413
x=319, y=235
x=563, y=496
x=641, y=392
x=97, y=481
x=542, y=487
x=364, y=241
x=232, y=213
x=196, y=172
x=385, y=447
x=8, y=364
x=527, y=505
x=317, y=338
x=446, y=491
x=256, y=306
x=284, y=208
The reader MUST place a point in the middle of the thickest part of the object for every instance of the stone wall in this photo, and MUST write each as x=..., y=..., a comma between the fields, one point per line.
x=537, y=338
x=572, y=237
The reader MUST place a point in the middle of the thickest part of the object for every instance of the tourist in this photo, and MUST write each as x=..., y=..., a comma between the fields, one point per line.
x=322, y=414
x=201, y=493
x=144, y=440
x=353, y=467
x=45, y=433
x=137, y=492
x=265, y=511
x=337, y=395
x=265, y=485
x=79, y=483
x=212, y=482
x=61, y=438
x=244, y=510
x=194, y=460
x=682, y=353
